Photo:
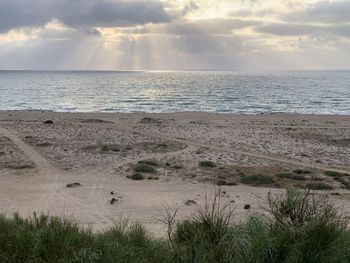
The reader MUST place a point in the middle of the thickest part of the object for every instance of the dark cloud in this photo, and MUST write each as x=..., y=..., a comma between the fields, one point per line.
x=80, y=13
x=290, y=29
x=322, y=11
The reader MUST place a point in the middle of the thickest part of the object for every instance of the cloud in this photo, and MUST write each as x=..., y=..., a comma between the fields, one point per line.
x=212, y=27
x=80, y=13
x=289, y=29
x=324, y=11
x=174, y=34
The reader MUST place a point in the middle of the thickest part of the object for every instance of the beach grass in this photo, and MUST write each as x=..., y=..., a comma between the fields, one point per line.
x=301, y=227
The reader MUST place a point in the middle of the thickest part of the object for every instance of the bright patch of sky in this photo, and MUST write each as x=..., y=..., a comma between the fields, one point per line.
x=175, y=34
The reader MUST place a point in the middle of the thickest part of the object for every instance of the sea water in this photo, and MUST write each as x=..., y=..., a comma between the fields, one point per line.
x=312, y=92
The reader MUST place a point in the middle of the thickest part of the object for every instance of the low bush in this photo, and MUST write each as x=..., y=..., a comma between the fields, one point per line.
x=223, y=182
x=209, y=164
x=144, y=168
x=137, y=177
x=296, y=177
x=258, y=180
x=302, y=171
x=319, y=186
x=335, y=174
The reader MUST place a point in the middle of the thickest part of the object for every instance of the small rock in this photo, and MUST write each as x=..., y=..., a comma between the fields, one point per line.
x=247, y=206
x=190, y=202
x=112, y=193
x=72, y=185
x=113, y=200
x=48, y=122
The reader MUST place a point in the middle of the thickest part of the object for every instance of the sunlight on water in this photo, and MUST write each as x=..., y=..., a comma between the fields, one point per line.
x=293, y=92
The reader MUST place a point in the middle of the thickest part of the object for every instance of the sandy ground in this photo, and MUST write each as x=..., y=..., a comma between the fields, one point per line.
x=100, y=151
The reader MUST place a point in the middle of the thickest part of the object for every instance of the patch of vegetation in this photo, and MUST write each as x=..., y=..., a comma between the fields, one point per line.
x=153, y=178
x=19, y=166
x=43, y=144
x=319, y=186
x=108, y=148
x=144, y=168
x=148, y=120
x=190, y=202
x=301, y=171
x=136, y=177
x=296, y=177
x=258, y=180
x=52, y=239
x=335, y=174
x=301, y=227
x=209, y=164
x=223, y=182
x=344, y=182
x=148, y=162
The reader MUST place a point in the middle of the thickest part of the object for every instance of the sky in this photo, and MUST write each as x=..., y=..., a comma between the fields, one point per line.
x=244, y=35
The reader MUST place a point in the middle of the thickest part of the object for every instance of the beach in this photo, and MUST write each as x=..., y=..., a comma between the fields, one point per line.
x=41, y=153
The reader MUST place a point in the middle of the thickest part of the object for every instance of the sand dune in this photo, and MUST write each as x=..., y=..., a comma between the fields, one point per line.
x=100, y=151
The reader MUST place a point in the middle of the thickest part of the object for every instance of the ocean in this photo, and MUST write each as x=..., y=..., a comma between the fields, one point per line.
x=306, y=92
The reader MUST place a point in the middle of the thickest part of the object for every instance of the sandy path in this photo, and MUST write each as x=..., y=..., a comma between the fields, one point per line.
x=54, y=194
x=42, y=164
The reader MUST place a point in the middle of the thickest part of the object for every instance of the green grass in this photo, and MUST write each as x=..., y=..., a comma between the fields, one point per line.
x=144, y=168
x=301, y=227
x=258, y=180
x=296, y=177
x=208, y=164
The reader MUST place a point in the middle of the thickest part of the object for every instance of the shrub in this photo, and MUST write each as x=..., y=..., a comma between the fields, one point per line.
x=209, y=164
x=335, y=174
x=344, y=182
x=223, y=182
x=137, y=177
x=306, y=228
x=301, y=171
x=291, y=176
x=258, y=180
x=319, y=186
x=144, y=168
